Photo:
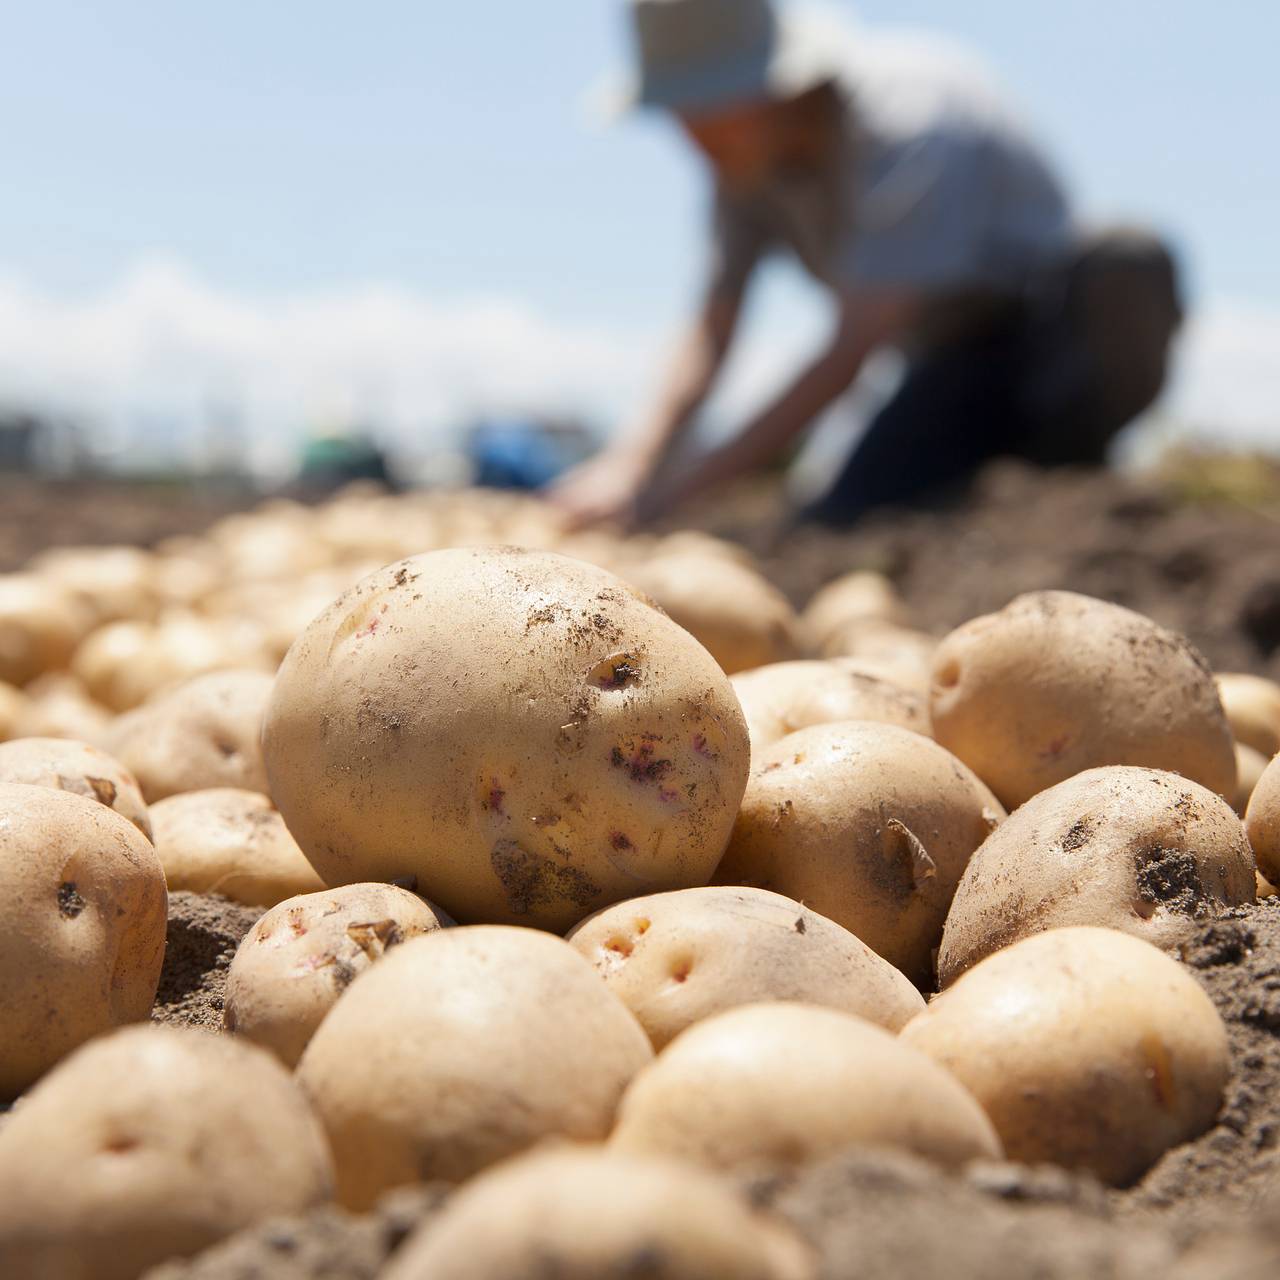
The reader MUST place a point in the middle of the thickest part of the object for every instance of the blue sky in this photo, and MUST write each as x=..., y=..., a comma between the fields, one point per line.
x=274, y=152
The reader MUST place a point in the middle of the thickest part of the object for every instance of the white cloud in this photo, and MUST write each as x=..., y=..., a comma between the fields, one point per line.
x=154, y=357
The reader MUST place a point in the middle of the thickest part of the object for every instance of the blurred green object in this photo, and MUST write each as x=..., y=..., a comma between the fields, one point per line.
x=329, y=461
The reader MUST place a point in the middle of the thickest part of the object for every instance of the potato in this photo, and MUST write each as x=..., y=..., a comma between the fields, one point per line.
x=520, y=732
x=57, y=706
x=869, y=824
x=463, y=1047
x=152, y=1143
x=790, y=1084
x=1250, y=766
x=1088, y=1048
x=1056, y=683
x=587, y=1212
x=675, y=958
x=1262, y=822
x=735, y=612
x=855, y=597
x=76, y=767
x=201, y=734
x=40, y=625
x=112, y=582
x=787, y=696
x=1132, y=849
x=13, y=704
x=1252, y=708
x=230, y=842
x=870, y=640
x=83, y=913
x=292, y=966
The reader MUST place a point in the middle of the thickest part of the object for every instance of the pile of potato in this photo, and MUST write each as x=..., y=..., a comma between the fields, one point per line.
x=582, y=840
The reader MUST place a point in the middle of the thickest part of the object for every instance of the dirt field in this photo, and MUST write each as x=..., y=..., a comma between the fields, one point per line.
x=1207, y=1211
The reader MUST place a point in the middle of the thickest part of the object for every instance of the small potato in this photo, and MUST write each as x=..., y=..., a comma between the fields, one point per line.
x=13, y=703
x=152, y=1143
x=1262, y=822
x=112, y=582
x=787, y=696
x=57, y=706
x=1057, y=683
x=76, y=767
x=856, y=597
x=1088, y=1048
x=1250, y=766
x=734, y=612
x=1137, y=850
x=83, y=913
x=202, y=734
x=40, y=625
x=676, y=958
x=790, y=1084
x=461, y=1048
x=292, y=966
x=230, y=842
x=1252, y=707
x=869, y=640
x=588, y=1212
x=870, y=824
x=523, y=733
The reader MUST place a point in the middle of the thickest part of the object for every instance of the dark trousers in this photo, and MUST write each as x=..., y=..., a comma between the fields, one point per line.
x=1051, y=378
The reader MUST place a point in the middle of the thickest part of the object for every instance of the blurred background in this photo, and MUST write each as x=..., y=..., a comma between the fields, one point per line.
x=246, y=237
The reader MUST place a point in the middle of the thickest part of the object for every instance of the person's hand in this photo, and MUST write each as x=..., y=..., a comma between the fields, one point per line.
x=605, y=489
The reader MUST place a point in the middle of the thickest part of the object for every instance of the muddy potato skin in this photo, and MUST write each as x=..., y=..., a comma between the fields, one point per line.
x=1138, y=850
x=869, y=824
x=587, y=1212
x=230, y=842
x=1262, y=822
x=152, y=1143
x=292, y=966
x=1088, y=1048
x=464, y=1047
x=676, y=958
x=1057, y=683
x=79, y=768
x=789, y=1084
x=742, y=619
x=205, y=733
x=1252, y=707
x=576, y=749
x=83, y=913
x=784, y=697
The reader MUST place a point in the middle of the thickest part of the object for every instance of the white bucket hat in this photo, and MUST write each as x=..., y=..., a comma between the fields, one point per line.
x=700, y=55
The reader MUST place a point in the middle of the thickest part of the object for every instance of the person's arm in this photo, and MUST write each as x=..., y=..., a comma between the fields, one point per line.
x=863, y=324
x=609, y=486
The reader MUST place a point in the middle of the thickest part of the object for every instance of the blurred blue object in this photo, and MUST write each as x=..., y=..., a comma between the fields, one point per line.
x=523, y=453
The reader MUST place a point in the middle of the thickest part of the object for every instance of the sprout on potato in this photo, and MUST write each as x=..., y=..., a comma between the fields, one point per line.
x=1056, y=683
x=789, y=1084
x=292, y=966
x=676, y=958
x=463, y=1047
x=1088, y=1048
x=152, y=1143
x=83, y=913
x=1133, y=849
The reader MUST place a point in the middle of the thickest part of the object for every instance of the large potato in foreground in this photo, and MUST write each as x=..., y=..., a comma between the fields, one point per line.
x=786, y=697
x=202, y=734
x=76, y=767
x=742, y=619
x=1138, y=850
x=1088, y=1048
x=520, y=732
x=676, y=958
x=791, y=1084
x=230, y=842
x=83, y=913
x=587, y=1212
x=461, y=1048
x=870, y=824
x=292, y=966
x=1056, y=683
x=148, y=1144
x=1262, y=822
